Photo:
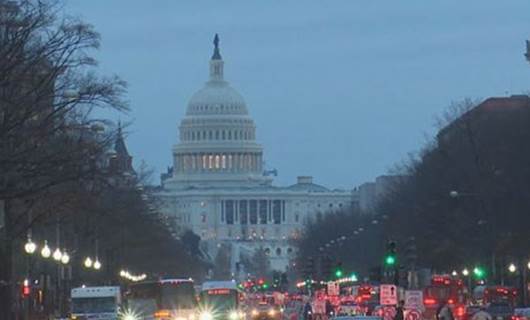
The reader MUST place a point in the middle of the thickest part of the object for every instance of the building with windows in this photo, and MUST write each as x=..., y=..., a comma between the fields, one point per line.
x=219, y=189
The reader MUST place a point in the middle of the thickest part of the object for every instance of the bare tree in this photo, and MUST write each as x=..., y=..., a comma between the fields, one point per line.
x=48, y=91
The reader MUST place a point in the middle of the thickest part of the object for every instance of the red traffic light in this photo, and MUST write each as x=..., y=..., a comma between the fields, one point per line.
x=26, y=289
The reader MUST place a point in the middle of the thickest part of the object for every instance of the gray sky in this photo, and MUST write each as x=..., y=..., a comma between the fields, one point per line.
x=340, y=90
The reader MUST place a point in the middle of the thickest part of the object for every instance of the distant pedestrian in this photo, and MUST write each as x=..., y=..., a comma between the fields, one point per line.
x=444, y=312
x=482, y=314
x=307, y=313
x=400, y=311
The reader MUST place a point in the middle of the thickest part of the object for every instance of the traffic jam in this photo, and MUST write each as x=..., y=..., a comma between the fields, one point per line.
x=445, y=298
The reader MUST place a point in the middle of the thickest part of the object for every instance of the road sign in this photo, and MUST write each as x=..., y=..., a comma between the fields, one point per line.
x=389, y=313
x=388, y=295
x=413, y=314
x=333, y=288
x=414, y=299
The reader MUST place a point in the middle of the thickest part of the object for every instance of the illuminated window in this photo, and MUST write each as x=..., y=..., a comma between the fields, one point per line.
x=210, y=162
x=223, y=161
x=230, y=161
x=204, y=162
x=217, y=162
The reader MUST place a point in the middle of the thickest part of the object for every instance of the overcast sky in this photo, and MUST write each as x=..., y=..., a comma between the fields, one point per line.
x=341, y=90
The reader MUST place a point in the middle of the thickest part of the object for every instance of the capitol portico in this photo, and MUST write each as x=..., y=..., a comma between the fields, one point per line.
x=219, y=189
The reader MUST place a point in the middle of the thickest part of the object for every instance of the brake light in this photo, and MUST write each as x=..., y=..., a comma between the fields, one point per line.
x=460, y=311
x=162, y=314
x=429, y=301
x=450, y=301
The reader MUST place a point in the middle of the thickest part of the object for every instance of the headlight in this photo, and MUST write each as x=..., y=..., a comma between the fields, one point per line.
x=205, y=316
x=272, y=312
x=233, y=315
x=254, y=312
x=130, y=317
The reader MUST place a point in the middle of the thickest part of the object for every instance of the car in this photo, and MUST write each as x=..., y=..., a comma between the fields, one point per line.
x=500, y=311
x=357, y=318
x=266, y=312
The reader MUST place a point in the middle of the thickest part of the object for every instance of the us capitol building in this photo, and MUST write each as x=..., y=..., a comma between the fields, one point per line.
x=218, y=187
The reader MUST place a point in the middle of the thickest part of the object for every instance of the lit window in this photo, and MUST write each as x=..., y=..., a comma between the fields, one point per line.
x=223, y=161
x=210, y=162
x=217, y=162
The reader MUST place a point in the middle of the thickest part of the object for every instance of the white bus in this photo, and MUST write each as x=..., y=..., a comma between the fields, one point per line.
x=102, y=303
x=171, y=299
x=220, y=300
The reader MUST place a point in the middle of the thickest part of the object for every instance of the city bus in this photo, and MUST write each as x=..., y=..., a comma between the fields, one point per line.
x=95, y=302
x=171, y=299
x=445, y=289
x=220, y=300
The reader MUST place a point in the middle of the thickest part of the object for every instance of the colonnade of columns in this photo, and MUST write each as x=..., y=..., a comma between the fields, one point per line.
x=218, y=162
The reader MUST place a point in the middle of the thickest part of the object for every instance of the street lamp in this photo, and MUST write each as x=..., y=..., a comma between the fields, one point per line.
x=453, y=194
x=454, y=273
x=528, y=265
x=88, y=262
x=45, y=252
x=97, y=264
x=465, y=272
x=57, y=255
x=30, y=246
x=65, y=258
x=512, y=268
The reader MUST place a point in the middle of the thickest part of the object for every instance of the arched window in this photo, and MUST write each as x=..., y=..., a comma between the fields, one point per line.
x=210, y=162
x=235, y=135
x=278, y=251
x=230, y=135
x=193, y=135
x=230, y=161
x=204, y=162
x=217, y=135
x=210, y=135
x=204, y=135
x=223, y=161
x=198, y=135
x=223, y=136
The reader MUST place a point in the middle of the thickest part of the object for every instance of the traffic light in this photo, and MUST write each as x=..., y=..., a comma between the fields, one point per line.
x=339, y=272
x=326, y=267
x=309, y=269
x=390, y=256
x=479, y=273
x=26, y=288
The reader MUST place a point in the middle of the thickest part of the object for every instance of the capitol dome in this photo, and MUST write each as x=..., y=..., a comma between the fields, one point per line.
x=216, y=97
x=217, y=137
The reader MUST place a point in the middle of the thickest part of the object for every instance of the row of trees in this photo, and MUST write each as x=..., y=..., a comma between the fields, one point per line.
x=55, y=175
x=464, y=198
x=468, y=193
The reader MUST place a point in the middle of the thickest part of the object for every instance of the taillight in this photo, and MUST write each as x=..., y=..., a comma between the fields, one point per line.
x=450, y=301
x=461, y=311
x=162, y=314
x=429, y=301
